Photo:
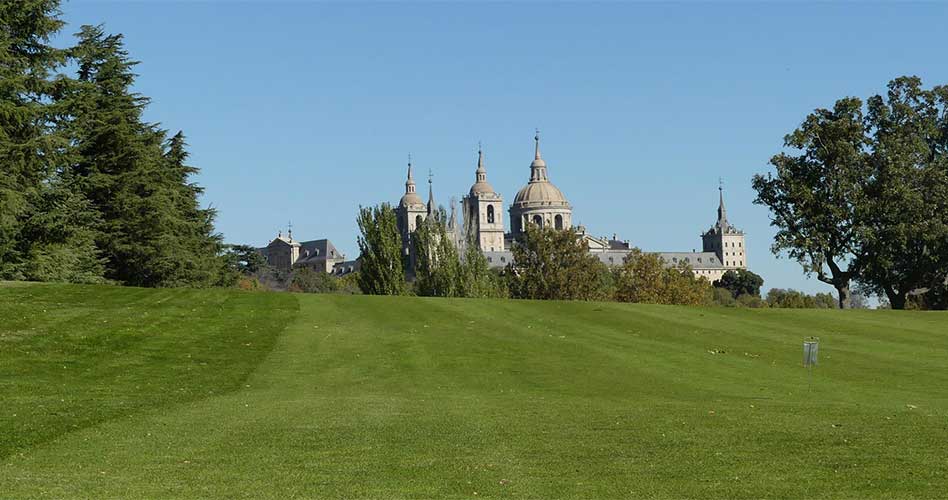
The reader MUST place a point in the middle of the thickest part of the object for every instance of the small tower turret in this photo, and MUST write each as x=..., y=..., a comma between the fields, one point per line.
x=725, y=240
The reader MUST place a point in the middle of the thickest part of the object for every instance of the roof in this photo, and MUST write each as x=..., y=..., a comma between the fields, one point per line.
x=540, y=192
x=314, y=250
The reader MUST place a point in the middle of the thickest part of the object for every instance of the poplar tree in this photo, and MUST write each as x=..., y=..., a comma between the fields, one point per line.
x=382, y=265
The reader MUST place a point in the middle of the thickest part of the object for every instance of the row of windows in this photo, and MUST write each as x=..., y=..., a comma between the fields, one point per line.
x=739, y=244
x=557, y=221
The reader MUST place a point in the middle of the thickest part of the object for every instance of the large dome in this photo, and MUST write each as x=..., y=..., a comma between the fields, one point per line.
x=540, y=193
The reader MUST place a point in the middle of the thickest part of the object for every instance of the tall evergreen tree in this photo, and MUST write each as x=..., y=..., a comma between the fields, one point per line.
x=28, y=147
x=152, y=231
x=193, y=233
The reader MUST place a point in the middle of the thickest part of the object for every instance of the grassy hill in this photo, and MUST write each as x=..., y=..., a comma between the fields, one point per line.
x=118, y=392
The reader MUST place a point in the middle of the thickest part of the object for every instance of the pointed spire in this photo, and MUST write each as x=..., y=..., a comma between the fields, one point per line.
x=538, y=167
x=536, y=139
x=431, y=202
x=481, y=171
x=410, y=183
x=722, y=212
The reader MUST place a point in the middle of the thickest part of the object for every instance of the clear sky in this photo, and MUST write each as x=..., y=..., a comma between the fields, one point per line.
x=303, y=111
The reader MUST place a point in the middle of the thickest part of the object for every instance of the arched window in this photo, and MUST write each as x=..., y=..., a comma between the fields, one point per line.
x=538, y=220
x=558, y=222
x=417, y=221
x=490, y=214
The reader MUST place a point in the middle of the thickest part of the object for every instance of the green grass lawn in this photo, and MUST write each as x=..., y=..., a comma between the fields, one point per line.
x=121, y=392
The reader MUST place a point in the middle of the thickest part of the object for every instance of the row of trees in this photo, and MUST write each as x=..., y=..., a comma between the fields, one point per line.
x=89, y=191
x=547, y=264
x=439, y=269
x=863, y=199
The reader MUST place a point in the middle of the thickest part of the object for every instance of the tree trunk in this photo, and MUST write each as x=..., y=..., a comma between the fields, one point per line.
x=896, y=299
x=844, y=295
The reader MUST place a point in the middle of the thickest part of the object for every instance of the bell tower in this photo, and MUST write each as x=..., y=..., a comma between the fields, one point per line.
x=483, y=211
x=725, y=240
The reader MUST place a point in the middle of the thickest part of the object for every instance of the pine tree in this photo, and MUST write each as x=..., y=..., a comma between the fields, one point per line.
x=28, y=147
x=153, y=231
x=201, y=249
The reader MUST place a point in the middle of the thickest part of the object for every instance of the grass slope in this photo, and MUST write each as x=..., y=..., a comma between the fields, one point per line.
x=409, y=397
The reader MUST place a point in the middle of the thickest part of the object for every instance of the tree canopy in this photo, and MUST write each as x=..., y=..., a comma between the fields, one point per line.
x=382, y=269
x=555, y=264
x=864, y=195
x=89, y=192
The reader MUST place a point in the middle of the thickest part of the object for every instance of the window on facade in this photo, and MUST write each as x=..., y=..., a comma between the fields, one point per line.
x=490, y=214
x=558, y=222
x=490, y=259
x=503, y=259
x=417, y=221
x=538, y=220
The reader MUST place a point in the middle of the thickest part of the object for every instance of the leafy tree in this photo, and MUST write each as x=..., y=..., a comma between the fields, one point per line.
x=348, y=284
x=382, y=270
x=741, y=282
x=793, y=299
x=907, y=240
x=477, y=279
x=722, y=297
x=753, y=301
x=817, y=198
x=554, y=265
x=437, y=266
x=643, y=277
x=308, y=280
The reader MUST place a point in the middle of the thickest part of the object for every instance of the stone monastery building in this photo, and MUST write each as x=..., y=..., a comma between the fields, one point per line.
x=540, y=202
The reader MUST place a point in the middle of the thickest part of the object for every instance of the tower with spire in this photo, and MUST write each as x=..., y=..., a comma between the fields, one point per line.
x=539, y=202
x=411, y=212
x=482, y=209
x=725, y=240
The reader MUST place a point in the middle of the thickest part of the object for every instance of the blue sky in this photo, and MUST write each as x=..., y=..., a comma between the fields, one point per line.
x=303, y=111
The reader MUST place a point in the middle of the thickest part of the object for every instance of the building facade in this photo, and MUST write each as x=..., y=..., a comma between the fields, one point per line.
x=540, y=202
x=285, y=253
